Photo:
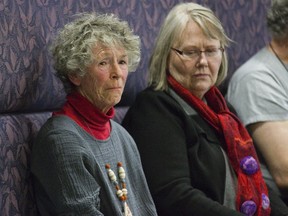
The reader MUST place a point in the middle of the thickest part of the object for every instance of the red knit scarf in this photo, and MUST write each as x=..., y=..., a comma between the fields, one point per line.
x=251, y=187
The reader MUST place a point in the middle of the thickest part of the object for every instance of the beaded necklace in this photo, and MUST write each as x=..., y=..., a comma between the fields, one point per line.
x=121, y=193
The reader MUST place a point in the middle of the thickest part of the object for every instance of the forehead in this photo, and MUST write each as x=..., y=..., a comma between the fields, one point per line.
x=194, y=35
x=104, y=50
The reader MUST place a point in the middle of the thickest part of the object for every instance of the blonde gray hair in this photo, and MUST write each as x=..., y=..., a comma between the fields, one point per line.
x=72, y=49
x=171, y=31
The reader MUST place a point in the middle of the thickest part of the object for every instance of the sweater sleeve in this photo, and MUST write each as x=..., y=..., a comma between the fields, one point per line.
x=63, y=183
x=155, y=125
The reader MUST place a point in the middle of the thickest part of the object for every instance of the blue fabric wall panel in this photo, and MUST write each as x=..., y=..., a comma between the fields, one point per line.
x=28, y=84
x=27, y=80
x=16, y=137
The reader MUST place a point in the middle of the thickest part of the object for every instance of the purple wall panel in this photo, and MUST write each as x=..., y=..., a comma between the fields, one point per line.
x=28, y=84
x=27, y=81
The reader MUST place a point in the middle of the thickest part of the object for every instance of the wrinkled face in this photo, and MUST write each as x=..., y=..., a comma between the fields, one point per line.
x=104, y=82
x=197, y=73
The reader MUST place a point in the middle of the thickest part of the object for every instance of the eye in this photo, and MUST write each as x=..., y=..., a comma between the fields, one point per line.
x=211, y=50
x=123, y=62
x=191, y=52
x=102, y=63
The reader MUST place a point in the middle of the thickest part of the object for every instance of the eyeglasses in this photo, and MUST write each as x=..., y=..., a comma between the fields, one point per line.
x=195, y=54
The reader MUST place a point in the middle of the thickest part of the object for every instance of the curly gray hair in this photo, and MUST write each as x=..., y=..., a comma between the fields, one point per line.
x=277, y=19
x=72, y=49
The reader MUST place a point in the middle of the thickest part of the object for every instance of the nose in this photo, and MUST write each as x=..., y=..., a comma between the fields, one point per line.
x=116, y=71
x=202, y=59
x=202, y=54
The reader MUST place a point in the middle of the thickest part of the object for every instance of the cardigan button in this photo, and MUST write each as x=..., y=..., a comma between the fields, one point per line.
x=265, y=201
x=249, y=165
x=248, y=208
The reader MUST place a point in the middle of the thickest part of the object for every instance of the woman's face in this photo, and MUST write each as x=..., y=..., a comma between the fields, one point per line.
x=104, y=82
x=196, y=73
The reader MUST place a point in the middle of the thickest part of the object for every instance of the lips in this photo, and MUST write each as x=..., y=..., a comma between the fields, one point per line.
x=116, y=87
x=201, y=75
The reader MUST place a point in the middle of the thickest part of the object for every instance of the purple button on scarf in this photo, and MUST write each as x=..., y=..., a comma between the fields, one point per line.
x=265, y=201
x=249, y=165
x=248, y=208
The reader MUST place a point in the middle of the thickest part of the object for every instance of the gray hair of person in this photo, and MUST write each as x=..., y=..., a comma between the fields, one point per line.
x=170, y=35
x=277, y=19
x=72, y=49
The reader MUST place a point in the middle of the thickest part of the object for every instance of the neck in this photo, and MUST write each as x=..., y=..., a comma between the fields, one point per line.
x=87, y=116
x=280, y=49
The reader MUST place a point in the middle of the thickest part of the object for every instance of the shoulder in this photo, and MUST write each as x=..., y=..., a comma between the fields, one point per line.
x=151, y=107
x=121, y=133
x=252, y=76
x=150, y=100
x=59, y=125
x=256, y=67
x=58, y=131
x=245, y=68
x=59, y=122
x=124, y=140
x=152, y=95
x=154, y=111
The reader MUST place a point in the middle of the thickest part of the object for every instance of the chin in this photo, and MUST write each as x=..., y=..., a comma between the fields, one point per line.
x=115, y=101
x=202, y=88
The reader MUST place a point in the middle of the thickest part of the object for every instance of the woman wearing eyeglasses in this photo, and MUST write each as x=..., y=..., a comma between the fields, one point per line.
x=198, y=158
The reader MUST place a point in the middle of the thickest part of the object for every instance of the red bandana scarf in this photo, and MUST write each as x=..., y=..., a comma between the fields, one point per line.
x=252, y=195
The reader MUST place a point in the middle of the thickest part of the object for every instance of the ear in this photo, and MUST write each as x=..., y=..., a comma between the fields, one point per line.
x=75, y=79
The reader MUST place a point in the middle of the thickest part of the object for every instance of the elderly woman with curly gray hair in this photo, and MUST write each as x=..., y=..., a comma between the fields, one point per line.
x=83, y=162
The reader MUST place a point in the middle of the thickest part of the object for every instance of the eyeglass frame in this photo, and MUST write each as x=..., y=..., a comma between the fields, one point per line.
x=198, y=52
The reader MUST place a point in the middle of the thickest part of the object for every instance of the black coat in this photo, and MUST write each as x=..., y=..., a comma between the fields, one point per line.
x=182, y=158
